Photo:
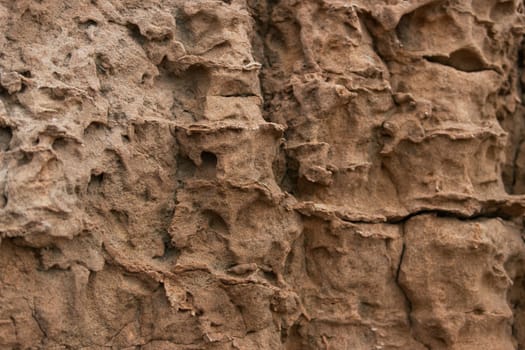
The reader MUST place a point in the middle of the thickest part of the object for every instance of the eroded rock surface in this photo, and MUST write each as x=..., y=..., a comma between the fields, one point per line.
x=274, y=174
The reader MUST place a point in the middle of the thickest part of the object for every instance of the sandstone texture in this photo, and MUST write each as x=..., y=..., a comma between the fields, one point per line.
x=262, y=174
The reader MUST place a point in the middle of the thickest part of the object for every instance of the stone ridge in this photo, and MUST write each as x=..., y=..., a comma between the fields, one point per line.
x=274, y=174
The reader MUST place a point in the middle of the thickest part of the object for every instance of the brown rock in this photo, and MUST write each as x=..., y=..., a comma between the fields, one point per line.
x=246, y=174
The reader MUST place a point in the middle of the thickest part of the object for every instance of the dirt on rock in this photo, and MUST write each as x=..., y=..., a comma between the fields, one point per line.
x=273, y=174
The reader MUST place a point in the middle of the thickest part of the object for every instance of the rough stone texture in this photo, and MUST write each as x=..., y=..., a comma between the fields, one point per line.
x=274, y=174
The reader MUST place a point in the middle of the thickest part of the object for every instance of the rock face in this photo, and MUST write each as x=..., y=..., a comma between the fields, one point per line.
x=273, y=174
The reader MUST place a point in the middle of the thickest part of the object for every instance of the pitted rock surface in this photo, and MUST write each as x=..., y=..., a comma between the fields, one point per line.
x=274, y=174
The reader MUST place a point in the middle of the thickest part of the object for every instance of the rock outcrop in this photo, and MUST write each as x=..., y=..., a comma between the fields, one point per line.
x=274, y=174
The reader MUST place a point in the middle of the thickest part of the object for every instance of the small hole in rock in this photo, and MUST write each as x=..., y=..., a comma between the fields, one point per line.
x=208, y=159
x=170, y=251
x=103, y=64
x=26, y=73
x=59, y=144
x=25, y=159
x=270, y=275
x=145, y=78
x=291, y=176
x=134, y=32
x=463, y=59
x=502, y=10
x=365, y=308
x=88, y=23
x=209, y=164
x=6, y=134
x=185, y=167
x=93, y=128
x=67, y=59
x=215, y=221
x=95, y=182
x=478, y=311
